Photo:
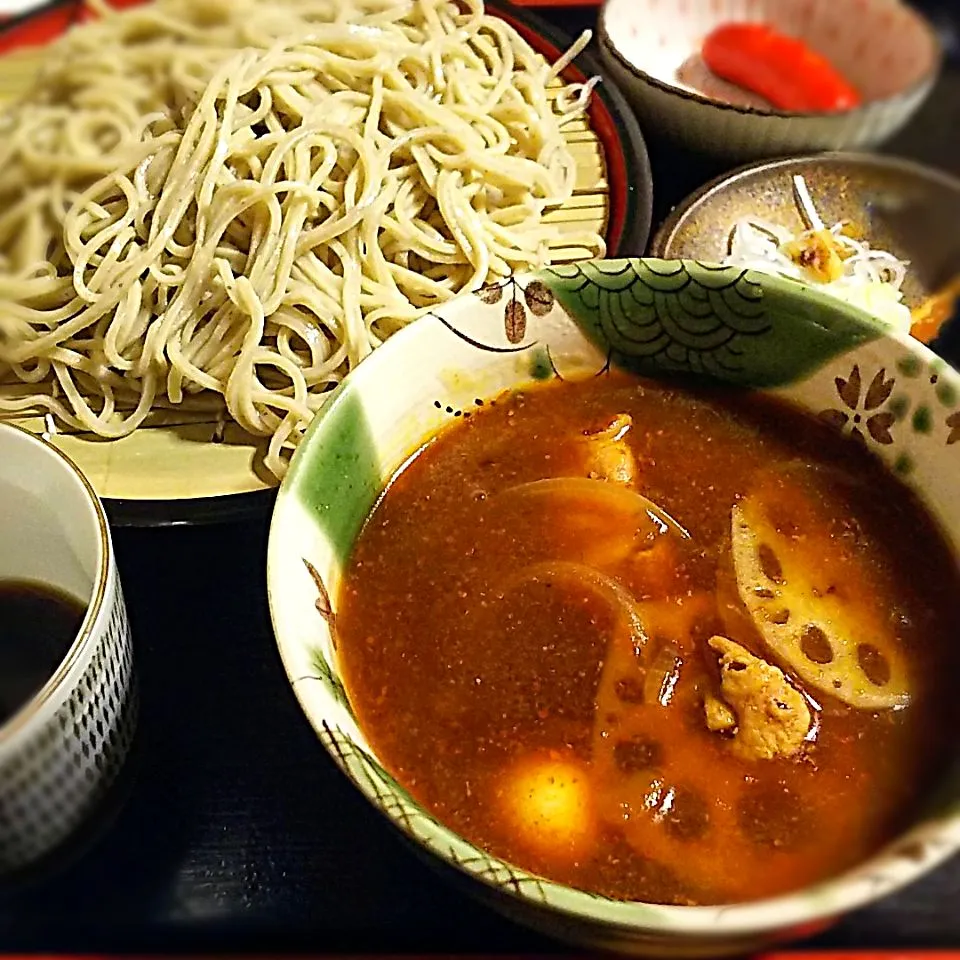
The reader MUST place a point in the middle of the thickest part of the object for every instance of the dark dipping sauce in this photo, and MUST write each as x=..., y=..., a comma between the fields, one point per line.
x=38, y=623
x=499, y=676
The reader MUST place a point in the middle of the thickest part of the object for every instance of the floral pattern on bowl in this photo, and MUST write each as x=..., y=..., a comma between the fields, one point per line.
x=657, y=318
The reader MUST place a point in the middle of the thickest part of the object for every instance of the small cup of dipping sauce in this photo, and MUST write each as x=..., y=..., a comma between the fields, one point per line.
x=67, y=693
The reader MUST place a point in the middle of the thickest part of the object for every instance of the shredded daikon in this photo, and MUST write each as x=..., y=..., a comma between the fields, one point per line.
x=868, y=278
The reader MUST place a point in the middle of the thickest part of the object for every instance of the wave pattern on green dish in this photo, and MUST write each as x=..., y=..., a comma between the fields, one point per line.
x=722, y=323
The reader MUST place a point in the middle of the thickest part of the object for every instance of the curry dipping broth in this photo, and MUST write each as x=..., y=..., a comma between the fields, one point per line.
x=671, y=645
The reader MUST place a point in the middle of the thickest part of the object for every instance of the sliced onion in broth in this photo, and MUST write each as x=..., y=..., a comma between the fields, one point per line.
x=606, y=495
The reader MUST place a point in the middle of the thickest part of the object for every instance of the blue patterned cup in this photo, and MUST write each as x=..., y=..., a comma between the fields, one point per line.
x=61, y=749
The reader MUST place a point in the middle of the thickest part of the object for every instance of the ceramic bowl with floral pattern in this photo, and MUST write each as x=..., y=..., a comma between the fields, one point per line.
x=654, y=317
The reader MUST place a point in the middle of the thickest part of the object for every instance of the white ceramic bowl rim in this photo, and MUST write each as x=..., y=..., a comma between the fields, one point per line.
x=666, y=231
x=18, y=727
x=808, y=907
x=923, y=81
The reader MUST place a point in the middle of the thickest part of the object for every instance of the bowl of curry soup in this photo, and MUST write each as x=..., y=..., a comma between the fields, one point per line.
x=630, y=590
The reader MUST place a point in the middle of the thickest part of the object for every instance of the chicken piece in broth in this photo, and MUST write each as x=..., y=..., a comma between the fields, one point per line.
x=772, y=716
x=608, y=454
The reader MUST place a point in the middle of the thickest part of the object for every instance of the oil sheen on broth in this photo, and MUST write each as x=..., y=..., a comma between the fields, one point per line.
x=673, y=646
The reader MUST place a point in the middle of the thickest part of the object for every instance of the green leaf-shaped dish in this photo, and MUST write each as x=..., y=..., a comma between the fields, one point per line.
x=658, y=318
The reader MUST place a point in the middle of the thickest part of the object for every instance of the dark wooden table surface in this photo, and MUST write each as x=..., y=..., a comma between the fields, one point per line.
x=233, y=831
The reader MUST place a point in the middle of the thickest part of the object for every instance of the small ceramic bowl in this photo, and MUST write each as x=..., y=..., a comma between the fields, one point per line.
x=901, y=206
x=61, y=750
x=651, y=48
x=649, y=314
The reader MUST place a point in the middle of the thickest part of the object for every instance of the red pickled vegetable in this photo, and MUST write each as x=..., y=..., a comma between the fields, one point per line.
x=782, y=69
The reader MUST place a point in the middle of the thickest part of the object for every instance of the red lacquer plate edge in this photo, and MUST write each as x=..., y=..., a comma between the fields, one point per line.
x=46, y=22
x=884, y=954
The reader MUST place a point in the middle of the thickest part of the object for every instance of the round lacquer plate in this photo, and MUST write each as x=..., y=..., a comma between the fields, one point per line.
x=187, y=467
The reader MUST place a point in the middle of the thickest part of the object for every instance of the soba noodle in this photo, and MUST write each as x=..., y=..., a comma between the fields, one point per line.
x=237, y=201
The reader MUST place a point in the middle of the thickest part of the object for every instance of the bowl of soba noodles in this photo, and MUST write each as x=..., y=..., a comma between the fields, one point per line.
x=628, y=590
